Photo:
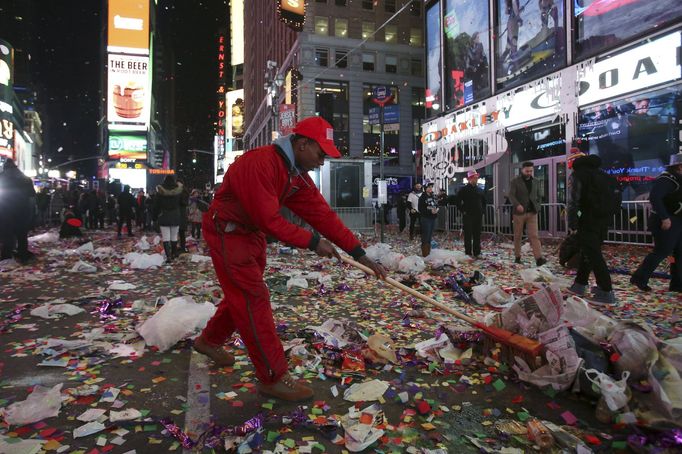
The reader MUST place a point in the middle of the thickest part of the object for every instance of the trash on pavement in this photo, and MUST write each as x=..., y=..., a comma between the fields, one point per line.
x=88, y=429
x=178, y=318
x=382, y=346
x=50, y=310
x=42, y=403
x=83, y=267
x=412, y=264
x=365, y=392
x=139, y=261
x=360, y=427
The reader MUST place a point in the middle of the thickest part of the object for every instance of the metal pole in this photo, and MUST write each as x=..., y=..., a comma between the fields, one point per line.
x=381, y=167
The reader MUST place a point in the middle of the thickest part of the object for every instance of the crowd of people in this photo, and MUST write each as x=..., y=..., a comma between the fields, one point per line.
x=77, y=208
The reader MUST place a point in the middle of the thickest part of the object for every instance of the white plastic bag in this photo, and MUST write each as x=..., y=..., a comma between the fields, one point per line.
x=391, y=260
x=376, y=251
x=49, y=310
x=611, y=390
x=87, y=247
x=143, y=261
x=83, y=267
x=143, y=244
x=542, y=275
x=300, y=282
x=491, y=294
x=441, y=257
x=40, y=404
x=412, y=265
x=636, y=348
x=178, y=318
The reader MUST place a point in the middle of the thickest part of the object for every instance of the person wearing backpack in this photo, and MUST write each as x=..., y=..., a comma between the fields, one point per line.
x=589, y=215
x=665, y=224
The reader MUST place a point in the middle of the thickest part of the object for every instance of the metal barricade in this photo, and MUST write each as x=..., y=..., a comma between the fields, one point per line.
x=361, y=219
x=631, y=225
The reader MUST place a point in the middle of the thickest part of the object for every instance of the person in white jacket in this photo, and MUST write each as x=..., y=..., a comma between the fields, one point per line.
x=413, y=202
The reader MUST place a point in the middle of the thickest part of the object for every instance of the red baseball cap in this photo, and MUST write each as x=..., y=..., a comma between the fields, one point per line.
x=319, y=130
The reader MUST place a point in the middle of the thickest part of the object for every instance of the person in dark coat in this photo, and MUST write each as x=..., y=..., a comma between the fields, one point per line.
x=126, y=206
x=17, y=212
x=666, y=227
x=591, y=227
x=428, y=212
x=43, y=205
x=471, y=202
x=167, y=205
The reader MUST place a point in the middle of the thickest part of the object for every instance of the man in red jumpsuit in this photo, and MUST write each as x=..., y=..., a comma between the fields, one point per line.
x=245, y=209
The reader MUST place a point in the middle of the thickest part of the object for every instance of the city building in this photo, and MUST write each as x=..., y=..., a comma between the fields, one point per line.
x=509, y=81
x=137, y=126
x=344, y=50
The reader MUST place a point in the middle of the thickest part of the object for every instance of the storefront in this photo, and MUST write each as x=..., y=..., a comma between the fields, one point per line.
x=624, y=106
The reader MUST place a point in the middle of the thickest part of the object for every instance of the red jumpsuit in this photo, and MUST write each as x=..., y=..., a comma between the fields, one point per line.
x=245, y=209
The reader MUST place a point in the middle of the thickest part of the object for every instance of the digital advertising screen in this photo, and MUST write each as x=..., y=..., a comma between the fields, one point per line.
x=607, y=23
x=467, y=52
x=530, y=40
x=634, y=137
x=128, y=30
x=127, y=147
x=129, y=91
x=434, y=87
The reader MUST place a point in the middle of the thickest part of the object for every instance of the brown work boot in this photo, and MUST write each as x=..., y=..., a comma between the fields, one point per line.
x=219, y=356
x=287, y=388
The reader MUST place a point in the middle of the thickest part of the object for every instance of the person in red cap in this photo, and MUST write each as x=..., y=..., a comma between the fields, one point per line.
x=245, y=209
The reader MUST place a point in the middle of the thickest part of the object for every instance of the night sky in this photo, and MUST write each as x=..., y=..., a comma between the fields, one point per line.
x=64, y=37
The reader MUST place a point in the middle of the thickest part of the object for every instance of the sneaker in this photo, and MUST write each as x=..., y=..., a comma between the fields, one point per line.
x=517, y=260
x=602, y=298
x=219, y=356
x=287, y=388
x=640, y=285
x=541, y=261
x=577, y=289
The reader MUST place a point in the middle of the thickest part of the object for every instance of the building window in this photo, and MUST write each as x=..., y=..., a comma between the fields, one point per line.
x=321, y=26
x=416, y=67
x=415, y=37
x=340, y=2
x=391, y=64
x=391, y=34
x=368, y=30
x=341, y=28
x=371, y=127
x=331, y=103
x=321, y=57
x=389, y=6
x=367, y=4
x=341, y=58
x=368, y=61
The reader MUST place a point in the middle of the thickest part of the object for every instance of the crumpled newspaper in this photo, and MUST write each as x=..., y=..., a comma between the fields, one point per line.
x=360, y=427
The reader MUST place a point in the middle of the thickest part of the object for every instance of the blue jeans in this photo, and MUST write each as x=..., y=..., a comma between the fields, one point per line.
x=666, y=243
x=427, y=225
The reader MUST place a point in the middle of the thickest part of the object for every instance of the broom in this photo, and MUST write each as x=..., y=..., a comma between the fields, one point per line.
x=515, y=343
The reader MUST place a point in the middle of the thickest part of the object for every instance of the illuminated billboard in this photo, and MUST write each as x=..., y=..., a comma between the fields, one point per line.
x=129, y=92
x=235, y=114
x=128, y=26
x=127, y=147
x=237, y=32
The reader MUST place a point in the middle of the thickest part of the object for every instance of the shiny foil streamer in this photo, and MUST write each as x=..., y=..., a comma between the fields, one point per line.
x=12, y=317
x=343, y=288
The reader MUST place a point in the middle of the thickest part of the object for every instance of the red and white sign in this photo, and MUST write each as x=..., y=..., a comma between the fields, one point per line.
x=287, y=118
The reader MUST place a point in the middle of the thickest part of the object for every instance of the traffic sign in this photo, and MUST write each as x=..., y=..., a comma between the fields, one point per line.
x=382, y=95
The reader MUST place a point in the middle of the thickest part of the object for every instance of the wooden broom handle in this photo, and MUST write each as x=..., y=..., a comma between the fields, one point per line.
x=415, y=293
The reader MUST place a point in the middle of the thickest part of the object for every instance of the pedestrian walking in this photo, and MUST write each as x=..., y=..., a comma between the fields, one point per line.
x=428, y=212
x=413, y=205
x=245, y=209
x=197, y=207
x=167, y=214
x=524, y=194
x=17, y=212
x=588, y=216
x=43, y=206
x=140, y=209
x=470, y=200
x=665, y=224
x=126, y=210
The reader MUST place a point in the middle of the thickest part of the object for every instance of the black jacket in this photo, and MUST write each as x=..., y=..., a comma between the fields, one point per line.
x=427, y=203
x=17, y=199
x=470, y=200
x=666, y=195
x=167, y=205
x=126, y=203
